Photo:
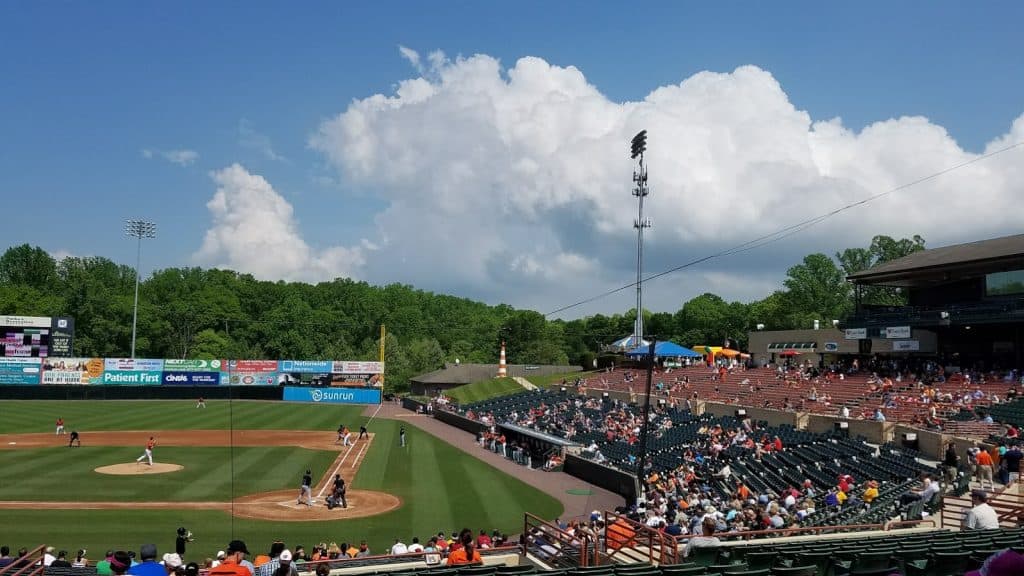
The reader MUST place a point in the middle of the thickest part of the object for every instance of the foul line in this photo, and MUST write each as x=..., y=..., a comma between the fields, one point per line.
x=360, y=455
x=335, y=471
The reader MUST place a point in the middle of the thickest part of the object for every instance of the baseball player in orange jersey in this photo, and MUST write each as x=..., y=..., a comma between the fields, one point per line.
x=148, y=454
x=60, y=426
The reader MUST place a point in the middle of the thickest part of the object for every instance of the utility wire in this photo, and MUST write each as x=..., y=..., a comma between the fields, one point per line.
x=788, y=230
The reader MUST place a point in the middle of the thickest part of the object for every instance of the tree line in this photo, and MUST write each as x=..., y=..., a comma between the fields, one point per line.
x=212, y=313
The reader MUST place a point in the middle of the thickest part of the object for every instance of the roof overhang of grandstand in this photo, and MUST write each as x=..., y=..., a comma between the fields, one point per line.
x=946, y=264
x=798, y=346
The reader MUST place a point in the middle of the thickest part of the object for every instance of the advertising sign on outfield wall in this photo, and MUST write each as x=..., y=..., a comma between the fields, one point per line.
x=129, y=364
x=332, y=395
x=176, y=365
x=132, y=377
x=20, y=371
x=191, y=378
x=307, y=366
x=71, y=371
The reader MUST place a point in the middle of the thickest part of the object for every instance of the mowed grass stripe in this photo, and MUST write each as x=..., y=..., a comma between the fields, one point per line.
x=144, y=415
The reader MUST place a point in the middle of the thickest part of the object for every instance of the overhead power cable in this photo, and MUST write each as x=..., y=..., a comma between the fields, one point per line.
x=790, y=230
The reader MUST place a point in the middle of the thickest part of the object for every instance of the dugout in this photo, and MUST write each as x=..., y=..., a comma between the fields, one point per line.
x=537, y=444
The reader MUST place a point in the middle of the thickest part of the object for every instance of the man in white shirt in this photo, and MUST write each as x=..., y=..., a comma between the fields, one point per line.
x=981, y=516
x=399, y=548
x=415, y=546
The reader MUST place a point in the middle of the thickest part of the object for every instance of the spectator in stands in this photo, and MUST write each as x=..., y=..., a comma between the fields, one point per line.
x=364, y=550
x=61, y=561
x=950, y=463
x=172, y=561
x=879, y=417
x=323, y=570
x=399, y=547
x=926, y=493
x=467, y=552
x=48, y=556
x=981, y=516
x=415, y=547
x=5, y=556
x=707, y=539
x=285, y=566
x=983, y=467
x=149, y=566
x=120, y=563
x=232, y=564
x=870, y=493
x=191, y=569
x=80, y=560
x=272, y=561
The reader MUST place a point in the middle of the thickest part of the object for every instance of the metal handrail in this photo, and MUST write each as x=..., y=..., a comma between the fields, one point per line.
x=569, y=544
x=668, y=549
x=34, y=567
x=788, y=531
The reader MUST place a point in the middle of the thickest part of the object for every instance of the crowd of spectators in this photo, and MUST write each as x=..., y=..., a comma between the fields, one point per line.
x=462, y=547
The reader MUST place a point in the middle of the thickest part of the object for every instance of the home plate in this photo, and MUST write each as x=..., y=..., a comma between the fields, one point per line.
x=11, y=443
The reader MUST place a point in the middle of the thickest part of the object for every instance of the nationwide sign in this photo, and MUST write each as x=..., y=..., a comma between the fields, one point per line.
x=307, y=366
x=855, y=333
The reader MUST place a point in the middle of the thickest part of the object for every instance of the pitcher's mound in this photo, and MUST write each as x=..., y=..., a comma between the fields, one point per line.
x=138, y=468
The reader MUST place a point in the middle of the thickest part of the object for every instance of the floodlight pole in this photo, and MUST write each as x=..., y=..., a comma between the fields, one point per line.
x=637, y=149
x=138, y=229
x=645, y=427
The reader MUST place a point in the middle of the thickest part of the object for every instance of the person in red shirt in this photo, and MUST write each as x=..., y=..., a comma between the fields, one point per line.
x=483, y=540
x=778, y=444
x=60, y=426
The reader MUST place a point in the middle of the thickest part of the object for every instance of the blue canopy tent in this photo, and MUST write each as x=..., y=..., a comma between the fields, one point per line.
x=665, y=350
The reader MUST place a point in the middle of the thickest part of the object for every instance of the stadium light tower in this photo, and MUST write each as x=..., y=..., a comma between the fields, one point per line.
x=138, y=229
x=637, y=148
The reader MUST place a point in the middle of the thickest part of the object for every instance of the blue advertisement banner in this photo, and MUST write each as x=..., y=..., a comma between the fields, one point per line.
x=191, y=379
x=20, y=371
x=332, y=395
x=132, y=377
x=309, y=366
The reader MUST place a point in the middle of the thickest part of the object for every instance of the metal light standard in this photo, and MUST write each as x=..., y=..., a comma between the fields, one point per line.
x=637, y=148
x=138, y=229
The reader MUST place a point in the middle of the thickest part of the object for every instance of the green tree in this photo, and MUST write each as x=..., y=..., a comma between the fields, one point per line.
x=817, y=290
x=28, y=266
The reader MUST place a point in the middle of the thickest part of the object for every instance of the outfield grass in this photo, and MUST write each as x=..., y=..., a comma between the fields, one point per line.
x=441, y=487
x=484, y=390
x=85, y=415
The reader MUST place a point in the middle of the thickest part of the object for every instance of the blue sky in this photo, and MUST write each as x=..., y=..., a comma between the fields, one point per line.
x=99, y=98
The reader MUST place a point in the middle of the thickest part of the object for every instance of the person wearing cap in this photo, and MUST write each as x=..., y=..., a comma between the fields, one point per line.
x=120, y=563
x=232, y=563
x=981, y=516
x=148, y=565
x=221, y=555
x=281, y=559
x=172, y=561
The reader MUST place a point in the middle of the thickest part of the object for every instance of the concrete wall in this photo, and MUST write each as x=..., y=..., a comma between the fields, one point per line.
x=931, y=444
x=772, y=417
x=875, y=432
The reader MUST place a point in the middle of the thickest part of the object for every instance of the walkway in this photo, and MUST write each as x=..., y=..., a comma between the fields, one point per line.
x=557, y=484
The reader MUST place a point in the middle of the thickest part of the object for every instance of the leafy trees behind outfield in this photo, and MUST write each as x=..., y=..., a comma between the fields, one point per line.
x=196, y=313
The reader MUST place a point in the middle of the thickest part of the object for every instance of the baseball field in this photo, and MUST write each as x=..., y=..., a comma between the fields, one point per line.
x=233, y=470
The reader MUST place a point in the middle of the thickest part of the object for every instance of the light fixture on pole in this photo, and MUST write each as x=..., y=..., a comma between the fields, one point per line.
x=138, y=229
x=637, y=148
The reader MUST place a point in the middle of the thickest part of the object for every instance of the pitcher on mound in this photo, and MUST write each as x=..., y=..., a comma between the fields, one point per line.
x=148, y=454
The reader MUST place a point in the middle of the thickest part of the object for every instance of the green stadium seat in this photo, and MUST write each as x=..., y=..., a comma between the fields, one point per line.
x=886, y=571
x=822, y=561
x=683, y=570
x=704, y=556
x=795, y=571
x=867, y=561
x=763, y=572
x=760, y=560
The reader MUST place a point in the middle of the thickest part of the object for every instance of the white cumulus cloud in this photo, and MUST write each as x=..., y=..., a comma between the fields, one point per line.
x=254, y=230
x=513, y=183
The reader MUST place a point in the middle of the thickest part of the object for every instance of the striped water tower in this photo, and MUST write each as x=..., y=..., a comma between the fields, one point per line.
x=502, y=365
